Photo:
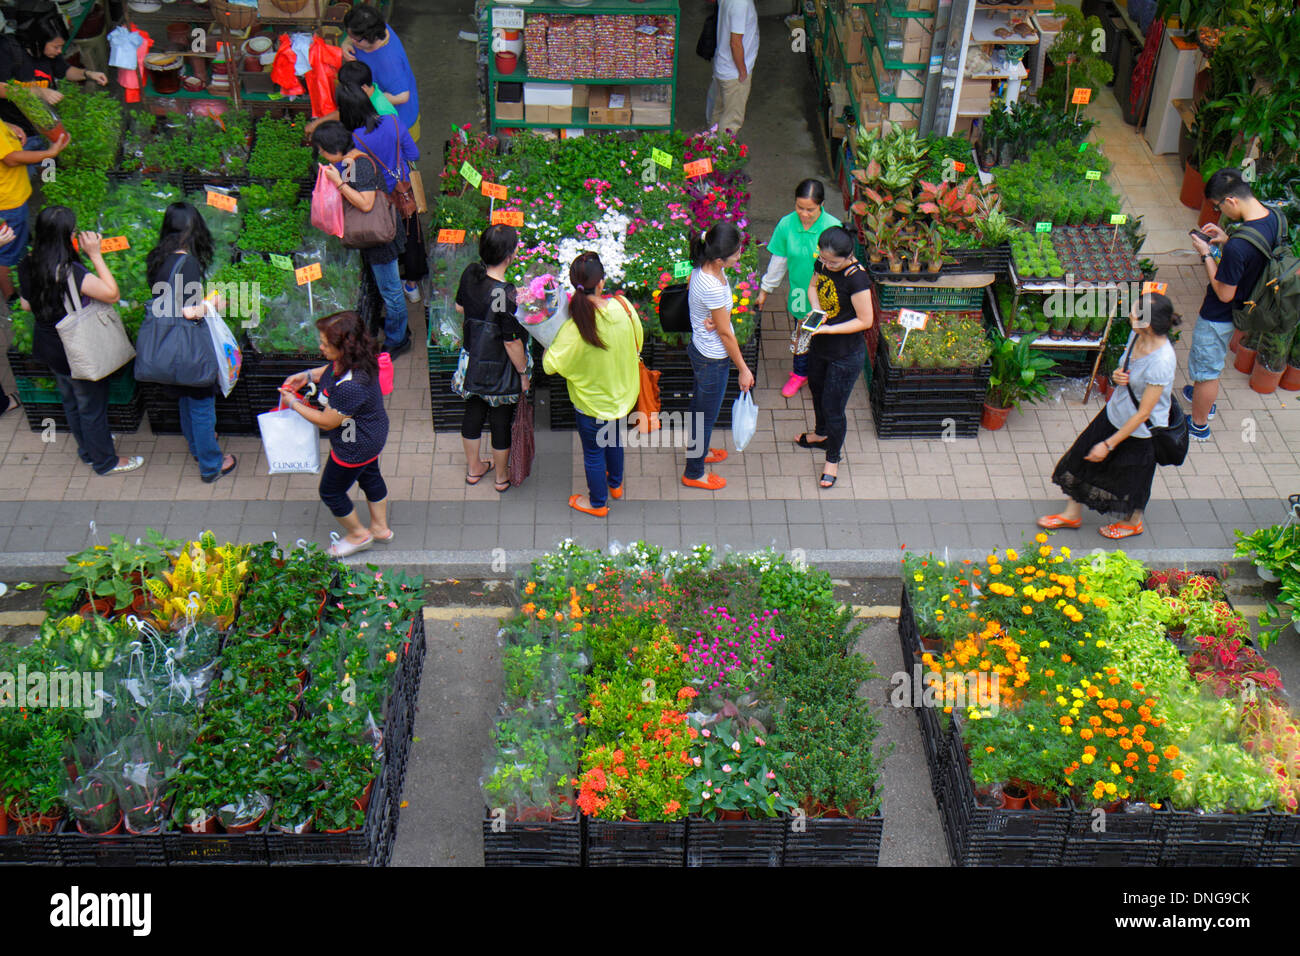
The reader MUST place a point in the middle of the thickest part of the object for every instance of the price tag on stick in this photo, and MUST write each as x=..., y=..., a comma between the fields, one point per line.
x=471, y=175
x=306, y=276
x=1042, y=227
x=1117, y=220
x=282, y=262
x=910, y=319
x=452, y=236
x=701, y=167
x=493, y=190
x=1082, y=96
x=508, y=217
x=681, y=270
x=114, y=244
x=222, y=201
x=663, y=159
x=1157, y=288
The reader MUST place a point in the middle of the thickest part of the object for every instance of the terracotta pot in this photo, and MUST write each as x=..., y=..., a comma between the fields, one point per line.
x=1245, y=361
x=1192, y=195
x=1104, y=388
x=731, y=814
x=104, y=607
x=363, y=803
x=1235, y=342
x=178, y=35
x=1290, y=381
x=994, y=418
x=1012, y=802
x=507, y=62
x=1263, y=380
x=533, y=815
x=932, y=643
x=116, y=828
x=126, y=821
x=245, y=827
x=4, y=824
x=1044, y=800
x=1207, y=214
x=207, y=826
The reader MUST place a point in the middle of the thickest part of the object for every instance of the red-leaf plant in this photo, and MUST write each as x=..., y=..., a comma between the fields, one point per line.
x=1226, y=664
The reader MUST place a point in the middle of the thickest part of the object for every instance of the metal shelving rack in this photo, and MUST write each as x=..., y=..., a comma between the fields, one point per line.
x=598, y=8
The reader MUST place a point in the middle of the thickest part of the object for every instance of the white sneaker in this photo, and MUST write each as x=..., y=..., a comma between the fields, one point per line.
x=412, y=291
x=132, y=463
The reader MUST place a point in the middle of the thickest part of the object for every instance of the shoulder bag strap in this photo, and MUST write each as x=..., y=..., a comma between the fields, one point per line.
x=74, y=294
x=378, y=161
x=397, y=142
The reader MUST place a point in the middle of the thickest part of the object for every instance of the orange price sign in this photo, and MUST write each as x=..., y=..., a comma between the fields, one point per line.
x=453, y=236
x=958, y=167
x=222, y=201
x=493, y=190
x=1158, y=288
x=508, y=217
x=114, y=244
x=1082, y=96
x=307, y=273
x=701, y=167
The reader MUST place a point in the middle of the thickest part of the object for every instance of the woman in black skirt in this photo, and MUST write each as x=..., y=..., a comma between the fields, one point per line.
x=1111, y=465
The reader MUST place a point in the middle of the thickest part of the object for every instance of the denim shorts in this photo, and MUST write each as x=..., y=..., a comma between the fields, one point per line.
x=1209, y=350
x=11, y=254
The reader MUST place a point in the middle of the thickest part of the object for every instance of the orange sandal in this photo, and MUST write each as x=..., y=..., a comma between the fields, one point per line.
x=597, y=512
x=709, y=482
x=1118, y=531
x=1052, y=522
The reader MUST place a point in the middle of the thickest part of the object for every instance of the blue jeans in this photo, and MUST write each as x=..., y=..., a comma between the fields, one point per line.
x=706, y=401
x=86, y=405
x=831, y=382
x=390, y=290
x=199, y=425
x=602, y=452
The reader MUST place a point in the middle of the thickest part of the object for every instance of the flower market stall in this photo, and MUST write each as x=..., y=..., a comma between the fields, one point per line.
x=633, y=202
x=663, y=709
x=240, y=704
x=1122, y=719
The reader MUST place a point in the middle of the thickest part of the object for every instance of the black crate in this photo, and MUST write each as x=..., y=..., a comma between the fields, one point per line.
x=735, y=842
x=936, y=428
x=1246, y=829
x=369, y=846
x=123, y=418
x=981, y=851
x=1083, y=852
x=1209, y=854
x=673, y=360
x=628, y=843
x=944, y=401
x=835, y=842
x=908, y=636
x=996, y=260
x=234, y=413
x=1118, y=826
x=265, y=372
x=40, y=849
x=118, y=849
x=1282, y=845
x=199, y=849
x=929, y=381
x=23, y=365
x=540, y=843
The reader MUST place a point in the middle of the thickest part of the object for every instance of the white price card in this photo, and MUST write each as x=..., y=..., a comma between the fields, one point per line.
x=506, y=18
x=910, y=319
x=617, y=101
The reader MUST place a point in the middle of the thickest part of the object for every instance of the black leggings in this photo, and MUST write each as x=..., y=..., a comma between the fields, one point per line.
x=337, y=480
x=499, y=418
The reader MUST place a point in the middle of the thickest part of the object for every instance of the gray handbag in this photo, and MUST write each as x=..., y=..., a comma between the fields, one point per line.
x=93, y=336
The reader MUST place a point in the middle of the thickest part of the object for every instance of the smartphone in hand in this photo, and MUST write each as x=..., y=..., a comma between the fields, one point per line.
x=813, y=321
x=1197, y=234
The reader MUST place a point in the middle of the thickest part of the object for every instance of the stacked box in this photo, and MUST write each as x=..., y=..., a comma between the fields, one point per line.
x=535, y=50
x=560, y=47
x=655, y=43
x=583, y=64
x=615, y=47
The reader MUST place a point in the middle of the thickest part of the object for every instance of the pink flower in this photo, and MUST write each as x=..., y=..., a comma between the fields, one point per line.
x=771, y=775
x=726, y=768
x=706, y=733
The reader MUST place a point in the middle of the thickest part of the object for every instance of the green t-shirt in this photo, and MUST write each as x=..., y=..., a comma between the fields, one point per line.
x=382, y=106
x=799, y=246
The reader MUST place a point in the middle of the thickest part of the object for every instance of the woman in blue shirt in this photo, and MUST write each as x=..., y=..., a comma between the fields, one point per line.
x=374, y=43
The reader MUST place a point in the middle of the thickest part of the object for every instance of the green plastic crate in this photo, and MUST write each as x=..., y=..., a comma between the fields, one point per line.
x=929, y=297
x=121, y=389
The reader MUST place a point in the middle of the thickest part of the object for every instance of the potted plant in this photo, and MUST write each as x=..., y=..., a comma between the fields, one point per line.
x=1290, y=380
x=1017, y=376
x=1270, y=361
x=1246, y=351
x=92, y=801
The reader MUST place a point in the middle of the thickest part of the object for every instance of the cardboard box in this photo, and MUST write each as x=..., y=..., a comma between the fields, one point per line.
x=651, y=116
x=581, y=93
x=916, y=41
x=560, y=115
x=863, y=85
x=509, y=111
x=976, y=97
x=536, y=114
x=548, y=94
x=901, y=113
x=853, y=34
x=610, y=106
x=910, y=85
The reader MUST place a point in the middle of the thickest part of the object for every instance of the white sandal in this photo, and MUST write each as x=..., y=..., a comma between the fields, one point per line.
x=342, y=547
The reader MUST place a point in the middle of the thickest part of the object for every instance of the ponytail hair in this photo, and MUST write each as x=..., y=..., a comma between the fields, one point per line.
x=1158, y=311
x=721, y=242
x=585, y=273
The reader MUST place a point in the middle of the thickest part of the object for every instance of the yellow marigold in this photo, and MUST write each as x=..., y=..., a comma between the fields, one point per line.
x=1040, y=538
x=1087, y=758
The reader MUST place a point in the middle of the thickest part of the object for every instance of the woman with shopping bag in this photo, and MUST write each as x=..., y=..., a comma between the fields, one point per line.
x=598, y=353
x=47, y=277
x=353, y=416
x=176, y=269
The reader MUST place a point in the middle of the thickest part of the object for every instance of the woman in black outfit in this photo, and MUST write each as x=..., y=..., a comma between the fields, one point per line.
x=494, y=361
x=842, y=289
x=349, y=390
x=44, y=277
x=176, y=269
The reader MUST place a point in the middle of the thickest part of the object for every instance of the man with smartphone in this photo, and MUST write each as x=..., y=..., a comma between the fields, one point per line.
x=1232, y=278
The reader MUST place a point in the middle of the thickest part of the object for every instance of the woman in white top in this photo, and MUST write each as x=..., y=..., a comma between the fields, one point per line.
x=1112, y=464
x=713, y=348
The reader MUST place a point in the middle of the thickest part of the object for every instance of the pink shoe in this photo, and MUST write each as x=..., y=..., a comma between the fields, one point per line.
x=793, y=384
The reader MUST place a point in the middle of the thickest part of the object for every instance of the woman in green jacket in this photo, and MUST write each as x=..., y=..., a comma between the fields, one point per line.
x=597, y=352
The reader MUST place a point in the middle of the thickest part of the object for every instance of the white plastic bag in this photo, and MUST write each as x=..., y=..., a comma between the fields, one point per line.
x=744, y=420
x=544, y=331
x=229, y=358
x=291, y=443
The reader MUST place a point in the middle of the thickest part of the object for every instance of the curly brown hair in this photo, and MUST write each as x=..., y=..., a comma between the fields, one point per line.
x=346, y=332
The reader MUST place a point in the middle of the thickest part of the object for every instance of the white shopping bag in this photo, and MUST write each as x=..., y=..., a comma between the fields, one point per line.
x=544, y=331
x=229, y=357
x=291, y=443
x=744, y=420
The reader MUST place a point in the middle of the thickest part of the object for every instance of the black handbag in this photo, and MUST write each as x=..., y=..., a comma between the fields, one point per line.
x=171, y=349
x=1170, y=442
x=707, y=45
x=675, y=308
x=490, y=371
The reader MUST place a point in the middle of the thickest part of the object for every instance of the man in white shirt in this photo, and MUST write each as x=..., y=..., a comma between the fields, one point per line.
x=733, y=63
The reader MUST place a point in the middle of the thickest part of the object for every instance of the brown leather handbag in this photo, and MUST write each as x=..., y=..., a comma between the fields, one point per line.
x=365, y=230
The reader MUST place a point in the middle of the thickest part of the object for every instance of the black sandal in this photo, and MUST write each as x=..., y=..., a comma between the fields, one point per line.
x=825, y=478
x=475, y=479
x=499, y=490
x=803, y=442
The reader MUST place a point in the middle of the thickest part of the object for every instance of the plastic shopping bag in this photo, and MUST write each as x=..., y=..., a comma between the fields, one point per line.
x=744, y=420
x=229, y=358
x=291, y=443
x=545, y=328
x=326, y=205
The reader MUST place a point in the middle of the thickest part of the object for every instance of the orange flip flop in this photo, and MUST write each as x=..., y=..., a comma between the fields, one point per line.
x=1052, y=522
x=1118, y=531
x=709, y=482
x=597, y=512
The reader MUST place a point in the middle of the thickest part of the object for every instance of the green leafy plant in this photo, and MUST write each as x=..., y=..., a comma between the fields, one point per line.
x=1018, y=372
x=93, y=120
x=1077, y=64
x=278, y=150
